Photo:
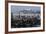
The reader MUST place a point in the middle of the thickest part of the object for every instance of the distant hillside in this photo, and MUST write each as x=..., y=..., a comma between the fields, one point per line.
x=29, y=11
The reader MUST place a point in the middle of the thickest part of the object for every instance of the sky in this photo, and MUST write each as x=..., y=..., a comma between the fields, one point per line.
x=16, y=9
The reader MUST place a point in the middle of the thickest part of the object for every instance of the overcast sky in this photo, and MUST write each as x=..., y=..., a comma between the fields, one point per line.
x=15, y=9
